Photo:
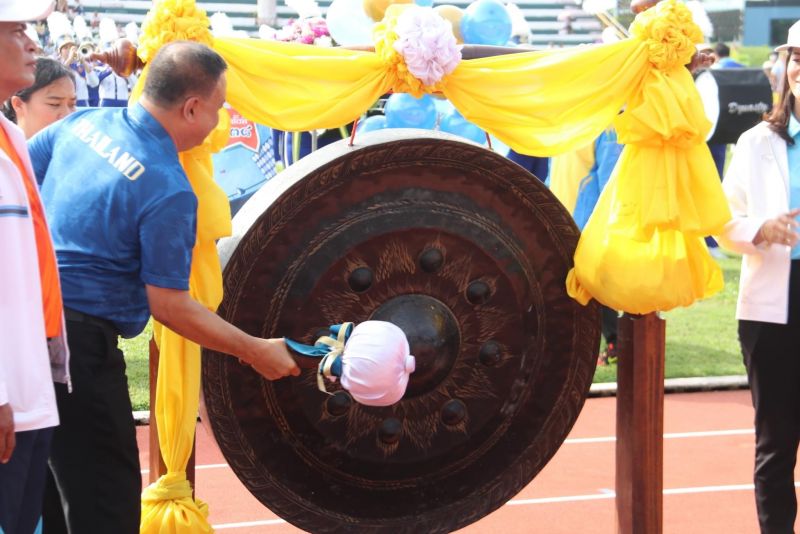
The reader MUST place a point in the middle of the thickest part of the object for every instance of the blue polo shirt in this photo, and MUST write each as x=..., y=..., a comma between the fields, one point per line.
x=793, y=153
x=121, y=211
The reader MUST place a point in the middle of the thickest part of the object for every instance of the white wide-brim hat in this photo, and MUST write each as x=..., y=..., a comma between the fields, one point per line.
x=793, y=39
x=18, y=11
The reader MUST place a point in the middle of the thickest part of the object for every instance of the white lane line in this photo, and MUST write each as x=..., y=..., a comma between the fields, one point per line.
x=576, y=441
x=671, y=435
x=246, y=524
x=610, y=494
x=604, y=494
x=568, y=498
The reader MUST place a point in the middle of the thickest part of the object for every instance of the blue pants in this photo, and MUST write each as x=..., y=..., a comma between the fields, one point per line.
x=22, y=482
x=539, y=167
x=113, y=103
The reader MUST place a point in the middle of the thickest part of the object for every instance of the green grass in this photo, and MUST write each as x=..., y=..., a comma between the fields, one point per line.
x=701, y=341
x=752, y=56
x=137, y=356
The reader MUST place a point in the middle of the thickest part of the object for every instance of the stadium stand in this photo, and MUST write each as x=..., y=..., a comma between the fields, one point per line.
x=545, y=17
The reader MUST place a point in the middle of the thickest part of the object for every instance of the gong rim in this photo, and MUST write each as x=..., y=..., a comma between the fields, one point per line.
x=232, y=419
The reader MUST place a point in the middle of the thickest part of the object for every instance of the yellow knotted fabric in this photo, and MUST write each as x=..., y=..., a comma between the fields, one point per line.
x=168, y=506
x=642, y=249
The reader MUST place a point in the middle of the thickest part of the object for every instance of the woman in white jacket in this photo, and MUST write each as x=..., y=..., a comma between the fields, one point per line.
x=763, y=188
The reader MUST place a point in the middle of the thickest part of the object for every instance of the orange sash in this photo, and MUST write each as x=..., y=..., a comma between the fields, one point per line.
x=48, y=272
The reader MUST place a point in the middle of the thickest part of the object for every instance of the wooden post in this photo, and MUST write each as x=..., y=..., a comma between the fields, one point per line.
x=157, y=466
x=640, y=424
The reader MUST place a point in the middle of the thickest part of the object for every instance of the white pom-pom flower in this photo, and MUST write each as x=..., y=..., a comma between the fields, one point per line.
x=427, y=44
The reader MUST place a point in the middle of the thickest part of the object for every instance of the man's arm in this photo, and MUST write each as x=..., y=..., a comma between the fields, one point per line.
x=40, y=148
x=176, y=310
x=91, y=77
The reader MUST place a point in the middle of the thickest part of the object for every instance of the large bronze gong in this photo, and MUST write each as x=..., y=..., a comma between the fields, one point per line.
x=468, y=254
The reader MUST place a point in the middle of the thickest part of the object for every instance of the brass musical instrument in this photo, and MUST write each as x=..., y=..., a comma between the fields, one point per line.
x=121, y=58
x=85, y=50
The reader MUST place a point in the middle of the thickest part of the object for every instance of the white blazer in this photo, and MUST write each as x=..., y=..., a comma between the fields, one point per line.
x=757, y=187
x=26, y=379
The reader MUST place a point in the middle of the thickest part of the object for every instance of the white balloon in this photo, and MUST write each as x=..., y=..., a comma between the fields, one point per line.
x=609, y=35
x=107, y=31
x=305, y=8
x=82, y=31
x=59, y=25
x=132, y=32
x=519, y=26
x=266, y=32
x=221, y=25
x=348, y=24
x=598, y=6
x=701, y=18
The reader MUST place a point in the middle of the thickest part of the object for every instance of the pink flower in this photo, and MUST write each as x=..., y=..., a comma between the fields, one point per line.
x=427, y=44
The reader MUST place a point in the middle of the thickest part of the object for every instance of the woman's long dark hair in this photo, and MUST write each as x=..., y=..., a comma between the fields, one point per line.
x=47, y=71
x=778, y=118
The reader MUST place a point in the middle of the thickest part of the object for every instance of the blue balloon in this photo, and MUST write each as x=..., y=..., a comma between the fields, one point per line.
x=499, y=146
x=455, y=123
x=371, y=124
x=443, y=106
x=404, y=111
x=486, y=22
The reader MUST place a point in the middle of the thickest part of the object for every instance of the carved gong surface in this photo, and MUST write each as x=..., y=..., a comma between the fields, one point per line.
x=467, y=253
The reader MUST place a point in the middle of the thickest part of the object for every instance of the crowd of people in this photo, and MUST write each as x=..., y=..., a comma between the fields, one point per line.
x=87, y=198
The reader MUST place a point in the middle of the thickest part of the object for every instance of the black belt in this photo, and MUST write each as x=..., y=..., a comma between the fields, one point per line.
x=80, y=317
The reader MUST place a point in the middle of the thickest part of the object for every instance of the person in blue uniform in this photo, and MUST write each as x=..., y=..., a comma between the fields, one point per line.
x=606, y=154
x=123, y=218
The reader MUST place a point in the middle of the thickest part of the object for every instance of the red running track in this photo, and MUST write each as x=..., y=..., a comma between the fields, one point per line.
x=708, y=457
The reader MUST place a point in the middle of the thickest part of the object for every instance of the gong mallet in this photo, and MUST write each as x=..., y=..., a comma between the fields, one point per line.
x=371, y=360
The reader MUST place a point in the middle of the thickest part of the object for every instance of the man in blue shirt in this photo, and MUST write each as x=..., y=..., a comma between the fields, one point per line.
x=123, y=215
x=722, y=54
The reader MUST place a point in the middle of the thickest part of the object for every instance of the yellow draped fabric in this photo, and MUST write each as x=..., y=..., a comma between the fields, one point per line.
x=566, y=173
x=665, y=196
x=168, y=506
x=641, y=250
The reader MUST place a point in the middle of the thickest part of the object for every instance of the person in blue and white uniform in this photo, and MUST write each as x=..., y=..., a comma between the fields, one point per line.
x=114, y=90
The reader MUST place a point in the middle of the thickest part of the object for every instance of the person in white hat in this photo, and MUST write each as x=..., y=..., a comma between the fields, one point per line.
x=763, y=188
x=30, y=311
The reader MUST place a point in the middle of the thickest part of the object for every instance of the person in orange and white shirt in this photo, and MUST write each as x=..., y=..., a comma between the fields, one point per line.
x=31, y=313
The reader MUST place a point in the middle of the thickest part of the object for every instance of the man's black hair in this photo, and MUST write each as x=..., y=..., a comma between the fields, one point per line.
x=722, y=50
x=47, y=71
x=181, y=69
